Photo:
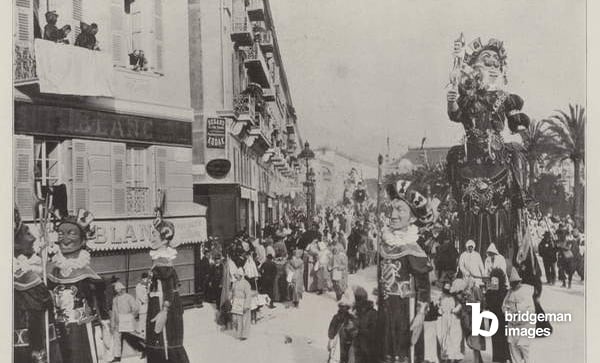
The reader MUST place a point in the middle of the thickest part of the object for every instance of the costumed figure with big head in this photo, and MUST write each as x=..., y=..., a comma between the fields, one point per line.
x=78, y=290
x=487, y=175
x=32, y=300
x=404, y=288
x=164, y=324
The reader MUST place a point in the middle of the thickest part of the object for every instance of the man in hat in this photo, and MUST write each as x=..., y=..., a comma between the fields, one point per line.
x=125, y=312
x=343, y=329
x=87, y=37
x=518, y=300
x=51, y=32
x=470, y=263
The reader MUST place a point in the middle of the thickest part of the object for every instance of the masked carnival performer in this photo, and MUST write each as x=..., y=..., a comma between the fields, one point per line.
x=32, y=300
x=487, y=175
x=164, y=324
x=78, y=290
x=402, y=258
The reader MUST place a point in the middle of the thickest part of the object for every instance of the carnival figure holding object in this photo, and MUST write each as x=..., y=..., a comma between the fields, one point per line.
x=404, y=288
x=486, y=174
x=32, y=300
x=78, y=290
x=164, y=324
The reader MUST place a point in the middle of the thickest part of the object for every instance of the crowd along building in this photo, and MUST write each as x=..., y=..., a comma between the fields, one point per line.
x=245, y=136
x=108, y=129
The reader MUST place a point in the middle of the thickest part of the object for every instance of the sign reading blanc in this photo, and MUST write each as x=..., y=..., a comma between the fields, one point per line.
x=215, y=133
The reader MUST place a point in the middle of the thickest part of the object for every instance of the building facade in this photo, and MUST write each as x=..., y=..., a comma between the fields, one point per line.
x=97, y=128
x=244, y=133
x=332, y=169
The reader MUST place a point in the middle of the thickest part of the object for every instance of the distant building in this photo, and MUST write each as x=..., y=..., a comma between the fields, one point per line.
x=332, y=168
x=416, y=157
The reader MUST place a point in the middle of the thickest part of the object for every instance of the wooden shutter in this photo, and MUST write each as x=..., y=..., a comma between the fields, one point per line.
x=100, y=180
x=158, y=171
x=118, y=32
x=80, y=164
x=158, y=35
x=118, y=157
x=24, y=21
x=23, y=175
x=77, y=18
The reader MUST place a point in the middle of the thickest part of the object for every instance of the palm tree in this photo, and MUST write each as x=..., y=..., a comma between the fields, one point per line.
x=537, y=144
x=567, y=133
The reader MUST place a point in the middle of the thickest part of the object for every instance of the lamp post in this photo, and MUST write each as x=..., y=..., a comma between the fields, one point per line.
x=309, y=185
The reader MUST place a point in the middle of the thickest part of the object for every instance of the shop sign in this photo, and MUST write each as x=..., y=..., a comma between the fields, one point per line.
x=136, y=234
x=215, y=133
x=62, y=121
x=218, y=168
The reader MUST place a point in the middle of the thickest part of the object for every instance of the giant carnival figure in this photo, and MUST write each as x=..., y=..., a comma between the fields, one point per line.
x=486, y=174
x=404, y=288
x=78, y=290
x=32, y=303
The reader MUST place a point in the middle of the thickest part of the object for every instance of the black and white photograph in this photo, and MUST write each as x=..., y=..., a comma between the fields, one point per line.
x=323, y=181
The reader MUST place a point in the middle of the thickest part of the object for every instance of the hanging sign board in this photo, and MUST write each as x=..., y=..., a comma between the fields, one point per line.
x=215, y=133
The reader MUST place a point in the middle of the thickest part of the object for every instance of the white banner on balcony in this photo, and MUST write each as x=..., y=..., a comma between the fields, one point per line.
x=69, y=70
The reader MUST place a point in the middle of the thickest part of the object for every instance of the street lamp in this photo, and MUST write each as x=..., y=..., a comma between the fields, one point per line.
x=309, y=185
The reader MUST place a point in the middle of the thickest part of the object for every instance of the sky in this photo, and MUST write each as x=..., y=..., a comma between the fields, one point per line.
x=360, y=71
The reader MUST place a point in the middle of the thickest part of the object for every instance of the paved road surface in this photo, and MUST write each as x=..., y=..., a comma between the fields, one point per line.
x=307, y=327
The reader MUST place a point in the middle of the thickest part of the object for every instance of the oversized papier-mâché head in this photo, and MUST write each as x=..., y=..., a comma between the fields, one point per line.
x=74, y=231
x=408, y=206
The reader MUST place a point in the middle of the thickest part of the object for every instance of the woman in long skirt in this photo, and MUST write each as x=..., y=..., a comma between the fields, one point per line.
x=164, y=322
x=449, y=329
x=241, y=299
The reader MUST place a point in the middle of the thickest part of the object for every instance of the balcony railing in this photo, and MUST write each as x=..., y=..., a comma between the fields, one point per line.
x=265, y=39
x=257, y=66
x=241, y=30
x=24, y=64
x=244, y=107
x=256, y=10
x=138, y=202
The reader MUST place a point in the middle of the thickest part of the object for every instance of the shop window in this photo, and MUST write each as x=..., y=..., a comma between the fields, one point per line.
x=137, y=187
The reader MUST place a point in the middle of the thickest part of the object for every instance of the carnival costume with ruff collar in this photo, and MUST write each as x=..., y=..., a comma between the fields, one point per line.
x=164, y=295
x=79, y=297
x=401, y=258
x=31, y=300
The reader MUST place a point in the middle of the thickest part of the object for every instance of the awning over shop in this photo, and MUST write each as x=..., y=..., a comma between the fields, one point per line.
x=127, y=234
x=69, y=70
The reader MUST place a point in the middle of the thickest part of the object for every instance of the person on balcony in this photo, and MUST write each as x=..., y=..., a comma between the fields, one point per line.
x=87, y=38
x=50, y=30
x=137, y=60
x=63, y=33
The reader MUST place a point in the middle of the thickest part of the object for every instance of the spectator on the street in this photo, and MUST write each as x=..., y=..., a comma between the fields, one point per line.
x=241, y=299
x=470, y=263
x=363, y=250
x=547, y=252
x=342, y=331
x=339, y=272
x=323, y=261
x=518, y=300
x=295, y=270
x=123, y=322
x=446, y=259
x=352, y=251
x=268, y=270
x=216, y=280
x=365, y=344
x=494, y=260
x=450, y=333
x=494, y=297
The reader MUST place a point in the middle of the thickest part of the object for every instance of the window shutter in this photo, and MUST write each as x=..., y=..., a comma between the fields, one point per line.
x=158, y=171
x=77, y=18
x=118, y=35
x=23, y=175
x=80, y=166
x=118, y=172
x=24, y=21
x=100, y=181
x=158, y=35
